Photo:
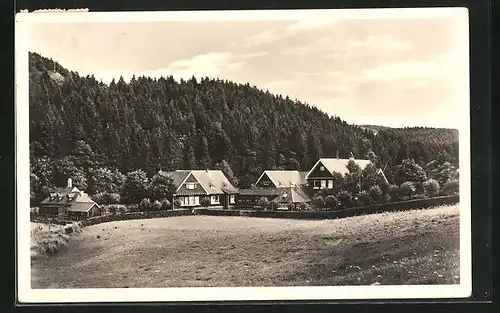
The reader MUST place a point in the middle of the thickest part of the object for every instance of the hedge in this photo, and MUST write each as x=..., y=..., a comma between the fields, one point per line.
x=362, y=210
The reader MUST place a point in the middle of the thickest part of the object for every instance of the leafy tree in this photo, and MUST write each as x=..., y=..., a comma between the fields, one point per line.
x=161, y=186
x=103, y=180
x=431, y=187
x=34, y=189
x=410, y=171
x=156, y=206
x=135, y=187
x=165, y=204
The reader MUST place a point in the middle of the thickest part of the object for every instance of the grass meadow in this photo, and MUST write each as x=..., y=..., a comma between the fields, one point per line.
x=412, y=247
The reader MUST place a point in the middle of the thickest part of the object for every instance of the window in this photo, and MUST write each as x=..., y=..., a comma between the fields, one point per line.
x=322, y=168
x=190, y=186
x=215, y=200
x=316, y=184
x=329, y=184
x=265, y=183
x=181, y=199
x=323, y=184
x=191, y=201
x=232, y=199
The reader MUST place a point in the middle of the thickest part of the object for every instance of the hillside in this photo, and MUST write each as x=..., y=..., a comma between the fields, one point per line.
x=153, y=124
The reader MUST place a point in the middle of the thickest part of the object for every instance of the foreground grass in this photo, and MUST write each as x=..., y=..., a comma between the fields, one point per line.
x=414, y=247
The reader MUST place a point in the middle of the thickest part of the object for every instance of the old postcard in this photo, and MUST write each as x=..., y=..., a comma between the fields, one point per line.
x=243, y=155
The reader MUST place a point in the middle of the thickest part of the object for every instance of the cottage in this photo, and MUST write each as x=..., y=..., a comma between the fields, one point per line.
x=321, y=175
x=193, y=185
x=69, y=202
x=281, y=179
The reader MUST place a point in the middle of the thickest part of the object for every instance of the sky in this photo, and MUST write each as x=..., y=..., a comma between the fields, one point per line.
x=407, y=71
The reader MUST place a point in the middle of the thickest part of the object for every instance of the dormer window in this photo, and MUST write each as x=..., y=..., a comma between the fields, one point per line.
x=190, y=186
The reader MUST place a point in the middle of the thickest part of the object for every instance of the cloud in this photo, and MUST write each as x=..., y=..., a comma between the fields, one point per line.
x=310, y=23
x=384, y=46
x=416, y=70
x=262, y=37
x=203, y=65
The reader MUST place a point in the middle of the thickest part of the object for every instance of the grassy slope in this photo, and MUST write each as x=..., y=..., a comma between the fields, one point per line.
x=415, y=247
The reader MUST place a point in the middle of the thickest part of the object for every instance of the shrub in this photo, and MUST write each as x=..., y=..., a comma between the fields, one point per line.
x=318, y=201
x=165, y=204
x=345, y=198
x=263, y=202
x=431, y=187
x=156, y=206
x=145, y=204
x=290, y=206
x=205, y=202
x=394, y=193
x=407, y=189
x=375, y=193
x=304, y=207
x=451, y=187
x=363, y=198
x=331, y=202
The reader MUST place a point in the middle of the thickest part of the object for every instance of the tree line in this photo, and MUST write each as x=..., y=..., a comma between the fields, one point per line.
x=79, y=125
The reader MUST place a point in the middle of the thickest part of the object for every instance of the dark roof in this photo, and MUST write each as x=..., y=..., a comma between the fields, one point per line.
x=293, y=195
x=61, y=196
x=177, y=176
x=285, y=178
x=81, y=206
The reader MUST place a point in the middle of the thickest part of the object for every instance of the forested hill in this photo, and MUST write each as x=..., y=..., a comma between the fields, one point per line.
x=153, y=124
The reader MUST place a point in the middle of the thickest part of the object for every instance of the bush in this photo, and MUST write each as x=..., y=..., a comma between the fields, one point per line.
x=304, y=207
x=345, y=198
x=165, y=204
x=451, y=187
x=331, y=202
x=376, y=194
x=290, y=207
x=318, y=202
x=364, y=198
x=205, y=202
x=156, y=206
x=394, y=193
x=145, y=205
x=407, y=189
x=431, y=187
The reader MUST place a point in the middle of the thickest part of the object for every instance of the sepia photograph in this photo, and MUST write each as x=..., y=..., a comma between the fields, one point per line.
x=243, y=155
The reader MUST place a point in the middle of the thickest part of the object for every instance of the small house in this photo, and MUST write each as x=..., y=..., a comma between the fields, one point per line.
x=321, y=175
x=69, y=202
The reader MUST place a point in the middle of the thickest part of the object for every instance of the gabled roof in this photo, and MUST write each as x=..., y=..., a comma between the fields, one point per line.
x=81, y=206
x=293, y=195
x=212, y=181
x=338, y=165
x=255, y=191
x=285, y=178
x=61, y=198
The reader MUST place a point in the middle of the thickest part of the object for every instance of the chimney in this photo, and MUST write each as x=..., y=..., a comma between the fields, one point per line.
x=70, y=183
x=337, y=154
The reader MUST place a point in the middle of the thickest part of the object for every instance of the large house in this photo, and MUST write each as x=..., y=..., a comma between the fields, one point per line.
x=193, y=185
x=321, y=175
x=69, y=202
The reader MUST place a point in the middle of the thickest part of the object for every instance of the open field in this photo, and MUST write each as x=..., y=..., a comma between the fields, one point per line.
x=412, y=247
